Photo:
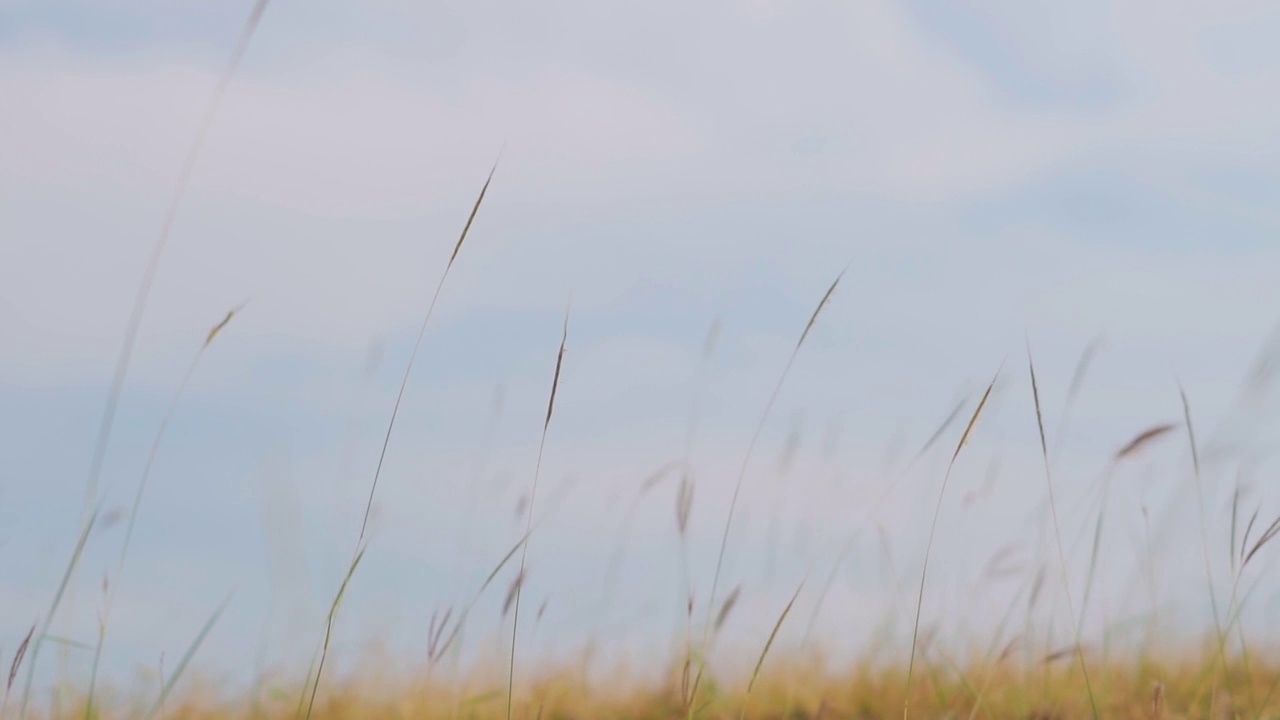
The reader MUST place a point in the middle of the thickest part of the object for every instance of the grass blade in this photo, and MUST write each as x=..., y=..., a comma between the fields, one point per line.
x=157, y=251
x=1057, y=529
x=746, y=462
x=726, y=608
x=533, y=493
x=1073, y=390
x=512, y=589
x=773, y=635
x=462, y=616
x=933, y=526
x=764, y=653
x=186, y=658
x=1093, y=562
x=17, y=659
x=53, y=607
x=137, y=501
x=391, y=423
x=937, y=434
x=1235, y=518
x=1141, y=440
x=1263, y=539
x=1204, y=531
x=612, y=570
x=143, y=293
x=328, y=631
x=413, y=355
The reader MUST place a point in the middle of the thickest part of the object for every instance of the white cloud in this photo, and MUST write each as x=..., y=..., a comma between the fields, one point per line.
x=718, y=158
x=330, y=192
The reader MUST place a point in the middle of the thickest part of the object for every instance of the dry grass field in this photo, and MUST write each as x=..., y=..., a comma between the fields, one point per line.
x=1024, y=670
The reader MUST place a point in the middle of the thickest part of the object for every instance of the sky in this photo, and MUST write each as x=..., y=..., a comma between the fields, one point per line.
x=1022, y=172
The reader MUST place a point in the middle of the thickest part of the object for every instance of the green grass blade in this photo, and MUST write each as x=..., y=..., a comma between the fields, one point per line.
x=53, y=607
x=186, y=658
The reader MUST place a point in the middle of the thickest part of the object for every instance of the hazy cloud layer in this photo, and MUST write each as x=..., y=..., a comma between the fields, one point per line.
x=1030, y=169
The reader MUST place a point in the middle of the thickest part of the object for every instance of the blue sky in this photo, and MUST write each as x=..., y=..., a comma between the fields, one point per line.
x=1030, y=169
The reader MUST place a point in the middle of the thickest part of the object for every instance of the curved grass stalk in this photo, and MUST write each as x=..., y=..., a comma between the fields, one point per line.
x=1204, y=530
x=386, y=439
x=742, y=473
x=53, y=606
x=137, y=502
x=157, y=251
x=143, y=294
x=1057, y=533
x=933, y=526
x=773, y=635
x=533, y=494
x=158, y=707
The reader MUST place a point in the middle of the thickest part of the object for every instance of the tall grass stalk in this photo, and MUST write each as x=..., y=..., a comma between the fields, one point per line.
x=443, y=642
x=328, y=628
x=417, y=345
x=874, y=510
x=742, y=473
x=1057, y=531
x=1204, y=530
x=533, y=495
x=137, y=503
x=993, y=660
x=898, y=612
x=933, y=526
x=143, y=293
x=54, y=604
x=871, y=514
x=764, y=653
x=649, y=483
x=1235, y=606
x=1129, y=449
x=157, y=251
x=1083, y=364
x=358, y=553
x=467, y=517
x=684, y=502
x=167, y=688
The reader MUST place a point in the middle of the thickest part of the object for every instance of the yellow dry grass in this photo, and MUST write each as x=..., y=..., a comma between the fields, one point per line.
x=792, y=688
